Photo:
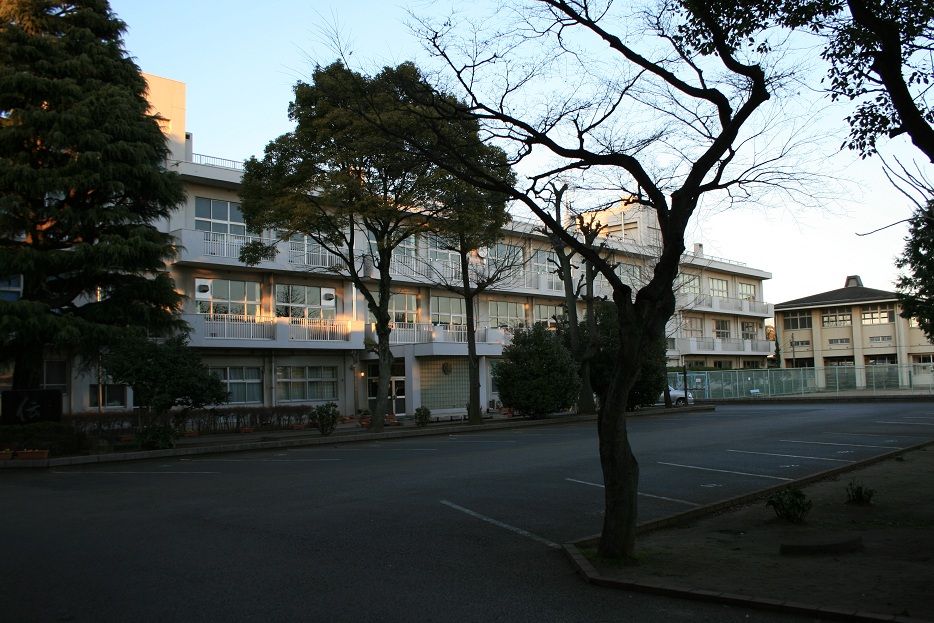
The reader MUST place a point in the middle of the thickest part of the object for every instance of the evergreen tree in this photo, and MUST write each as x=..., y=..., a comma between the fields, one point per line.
x=916, y=287
x=81, y=183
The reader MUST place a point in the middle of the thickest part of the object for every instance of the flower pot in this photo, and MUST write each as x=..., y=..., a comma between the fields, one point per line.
x=31, y=455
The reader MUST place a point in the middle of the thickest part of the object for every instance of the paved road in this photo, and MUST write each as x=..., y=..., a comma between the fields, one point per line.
x=448, y=528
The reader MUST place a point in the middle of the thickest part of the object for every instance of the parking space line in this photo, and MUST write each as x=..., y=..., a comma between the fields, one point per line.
x=56, y=471
x=500, y=524
x=723, y=471
x=911, y=423
x=261, y=460
x=645, y=495
x=850, y=445
x=791, y=456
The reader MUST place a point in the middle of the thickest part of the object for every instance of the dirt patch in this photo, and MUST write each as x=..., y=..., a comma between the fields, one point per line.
x=738, y=551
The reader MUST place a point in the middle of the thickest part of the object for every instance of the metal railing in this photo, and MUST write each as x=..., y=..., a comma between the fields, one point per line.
x=228, y=245
x=319, y=258
x=309, y=329
x=239, y=327
x=830, y=380
x=214, y=161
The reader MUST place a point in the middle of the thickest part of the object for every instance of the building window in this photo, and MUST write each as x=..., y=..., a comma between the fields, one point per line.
x=11, y=288
x=688, y=284
x=913, y=322
x=797, y=320
x=630, y=274
x=878, y=314
x=244, y=384
x=750, y=330
x=719, y=287
x=546, y=262
x=839, y=341
x=631, y=230
x=114, y=395
x=836, y=317
x=306, y=383
x=881, y=360
x=722, y=329
x=746, y=291
x=402, y=309
x=880, y=339
x=507, y=314
x=55, y=376
x=722, y=364
x=438, y=251
x=800, y=343
x=750, y=364
x=692, y=326
x=219, y=216
x=695, y=363
x=228, y=297
x=448, y=310
x=305, y=302
x=923, y=364
x=548, y=314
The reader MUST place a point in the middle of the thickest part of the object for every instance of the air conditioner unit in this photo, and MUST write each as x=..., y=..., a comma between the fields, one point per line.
x=203, y=289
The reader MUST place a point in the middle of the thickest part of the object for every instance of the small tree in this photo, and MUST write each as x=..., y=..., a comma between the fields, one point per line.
x=163, y=375
x=537, y=375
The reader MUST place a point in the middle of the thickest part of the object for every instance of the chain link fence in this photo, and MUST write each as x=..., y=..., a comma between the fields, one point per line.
x=831, y=380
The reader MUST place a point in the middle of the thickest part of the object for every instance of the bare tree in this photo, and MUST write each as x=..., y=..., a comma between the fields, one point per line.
x=671, y=123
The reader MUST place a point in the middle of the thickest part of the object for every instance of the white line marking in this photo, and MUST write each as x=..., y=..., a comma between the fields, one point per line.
x=262, y=460
x=500, y=524
x=482, y=440
x=723, y=471
x=55, y=471
x=790, y=456
x=851, y=445
x=918, y=417
x=911, y=423
x=403, y=449
x=645, y=495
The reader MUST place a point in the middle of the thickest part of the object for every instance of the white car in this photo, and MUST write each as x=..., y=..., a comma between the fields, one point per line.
x=677, y=397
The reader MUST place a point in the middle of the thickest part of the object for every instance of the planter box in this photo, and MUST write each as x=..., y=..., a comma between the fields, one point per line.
x=6, y=455
x=31, y=455
x=247, y=429
x=298, y=427
x=190, y=433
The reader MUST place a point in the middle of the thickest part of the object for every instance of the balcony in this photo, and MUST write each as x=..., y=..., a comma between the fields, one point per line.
x=237, y=331
x=720, y=346
x=212, y=248
x=687, y=301
x=442, y=339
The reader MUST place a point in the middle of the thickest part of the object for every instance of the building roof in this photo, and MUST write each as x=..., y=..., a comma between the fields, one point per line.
x=853, y=292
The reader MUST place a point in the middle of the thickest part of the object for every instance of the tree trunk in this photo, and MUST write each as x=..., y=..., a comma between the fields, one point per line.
x=27, y=368
x=474, y=409
x=378, y=416
x=620, y=468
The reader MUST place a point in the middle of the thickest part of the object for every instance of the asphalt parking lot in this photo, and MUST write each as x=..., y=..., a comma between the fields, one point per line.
x=450, y=528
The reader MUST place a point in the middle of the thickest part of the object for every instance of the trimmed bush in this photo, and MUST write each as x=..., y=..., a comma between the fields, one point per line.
x=57, y=437
x=422, y=416
x=537, y=374
x=791, y=505
x=325, y=417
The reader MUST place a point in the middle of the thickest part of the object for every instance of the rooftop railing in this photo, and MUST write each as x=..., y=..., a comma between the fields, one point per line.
x=214, y=161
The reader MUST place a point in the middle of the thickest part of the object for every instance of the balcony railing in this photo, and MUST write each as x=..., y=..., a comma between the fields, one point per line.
x=214, y=161
x=239, y=327
x=228, y=245
x=318, y=258
x=688, y=345
x=424, y=333
x=309, y=329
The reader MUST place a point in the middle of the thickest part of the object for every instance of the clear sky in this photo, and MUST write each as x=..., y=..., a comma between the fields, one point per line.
x=240, y=59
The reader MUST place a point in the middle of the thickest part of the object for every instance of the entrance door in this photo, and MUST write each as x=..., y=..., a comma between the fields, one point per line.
x=397, y=395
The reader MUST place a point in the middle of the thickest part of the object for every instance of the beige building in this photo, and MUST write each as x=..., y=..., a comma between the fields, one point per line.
x=854, y=337
x=294, y=330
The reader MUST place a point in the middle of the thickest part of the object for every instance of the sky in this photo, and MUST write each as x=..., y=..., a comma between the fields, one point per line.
x=241, y=58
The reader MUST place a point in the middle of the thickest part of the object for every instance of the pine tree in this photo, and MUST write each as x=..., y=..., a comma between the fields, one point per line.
x=916, y=284
x=81, y=184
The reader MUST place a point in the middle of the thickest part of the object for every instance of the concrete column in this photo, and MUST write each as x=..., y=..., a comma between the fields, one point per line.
x=413, y=382
x=817, y=348
x=484, y=386
x=859, y=359
x=901, y=349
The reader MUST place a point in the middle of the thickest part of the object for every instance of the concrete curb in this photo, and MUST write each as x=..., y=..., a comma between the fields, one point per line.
x=589, y=572
x=309, y=440
x=290, y=442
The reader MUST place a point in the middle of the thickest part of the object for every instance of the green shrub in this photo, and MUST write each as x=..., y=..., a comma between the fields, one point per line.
x=792, y=505
x=156, y=437
x=56, y=437
x=536, y=374
x=859, y=494
x=325, y=418
x=422, y=416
